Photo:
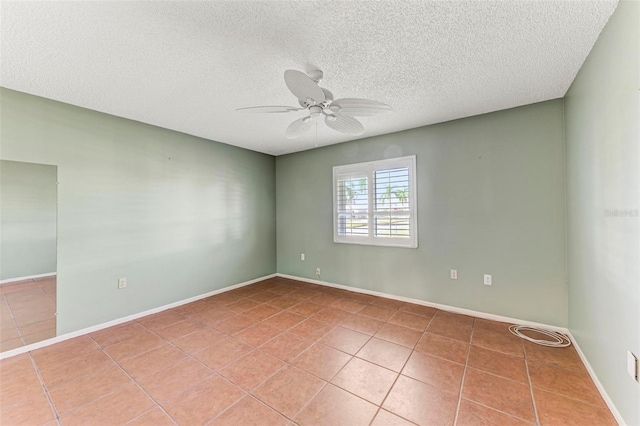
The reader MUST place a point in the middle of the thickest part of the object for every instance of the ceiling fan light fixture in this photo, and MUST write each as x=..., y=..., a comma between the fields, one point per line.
x=315, y=110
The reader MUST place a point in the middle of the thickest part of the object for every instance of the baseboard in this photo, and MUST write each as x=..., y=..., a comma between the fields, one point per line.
x=111, y=323
x=442, y=307
x=599, y=386
x=30, y=277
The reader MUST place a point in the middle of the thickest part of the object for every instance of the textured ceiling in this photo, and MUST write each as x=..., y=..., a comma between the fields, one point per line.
x=187, y=66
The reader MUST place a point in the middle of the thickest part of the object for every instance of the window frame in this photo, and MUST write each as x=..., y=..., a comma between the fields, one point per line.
x=369, y=168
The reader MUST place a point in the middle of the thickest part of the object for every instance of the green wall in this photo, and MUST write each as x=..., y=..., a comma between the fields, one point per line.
x=490, y=201
x=603, y=158
x=27, y=219
x=176, y=215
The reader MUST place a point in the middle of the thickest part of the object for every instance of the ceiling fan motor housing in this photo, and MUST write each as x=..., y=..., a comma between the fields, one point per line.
x=328, y=98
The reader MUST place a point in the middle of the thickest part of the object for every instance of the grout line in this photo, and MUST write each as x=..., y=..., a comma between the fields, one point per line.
x=561, y=367
x=186, y=353
x=489, y=373
x=18, y=328
x=533, y=400
x=286, y=364
x=49, y=297
x=134, y=381
x=464, y=374
x=328, y=382
x=142, y=415
x=45, y=389
x=216, y=371
x=499, y=411
x=251, y=392
x=503, y=378
x=405, y=363
x=236, y=403
x=289, y=364
x=13, y=318
x=84, y=376
x=304, y=407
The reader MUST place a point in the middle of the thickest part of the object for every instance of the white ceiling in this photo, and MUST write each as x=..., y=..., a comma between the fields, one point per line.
x=187, y=66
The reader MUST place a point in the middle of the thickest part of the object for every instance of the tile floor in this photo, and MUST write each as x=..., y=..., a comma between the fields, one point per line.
x=27, y=312
x=284, y=352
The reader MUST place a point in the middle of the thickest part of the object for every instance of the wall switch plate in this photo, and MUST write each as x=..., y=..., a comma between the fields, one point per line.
x=318, y=272
x=122, y=282
x=454, y=274
x=301, y=256
x=487, y=279
x=632, y=365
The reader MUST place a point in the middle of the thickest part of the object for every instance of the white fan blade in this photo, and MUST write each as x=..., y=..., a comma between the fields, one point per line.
x=303, y=87
x=271, y=109
x=298, y=127
x=344, y=124
x=359, y=107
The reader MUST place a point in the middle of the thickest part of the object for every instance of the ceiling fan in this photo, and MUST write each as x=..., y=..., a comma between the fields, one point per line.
x=338, y=114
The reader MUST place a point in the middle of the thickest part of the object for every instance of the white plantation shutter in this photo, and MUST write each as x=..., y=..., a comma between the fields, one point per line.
x=375, y=203
x=392, y=204
x=353, y=204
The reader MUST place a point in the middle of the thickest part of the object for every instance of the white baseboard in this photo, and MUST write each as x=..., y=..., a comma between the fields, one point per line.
x=447, y=308
x=30, y=277
x=67, y=336
x=483, y=315
x=599, y=386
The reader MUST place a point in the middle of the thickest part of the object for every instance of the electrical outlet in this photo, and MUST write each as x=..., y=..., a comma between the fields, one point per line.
x=487, y=279
x=301, y=256
x=454, y=274
x=632, y=365
x=122, y=282
x=318, y=272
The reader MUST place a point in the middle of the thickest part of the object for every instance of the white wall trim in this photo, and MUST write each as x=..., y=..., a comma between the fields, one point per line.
x=599, y=386
x=111, y=323
x=448, y=308
x=30, y=277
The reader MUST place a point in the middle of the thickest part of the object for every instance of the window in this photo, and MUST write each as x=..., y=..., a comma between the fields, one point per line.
x=375, y=203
